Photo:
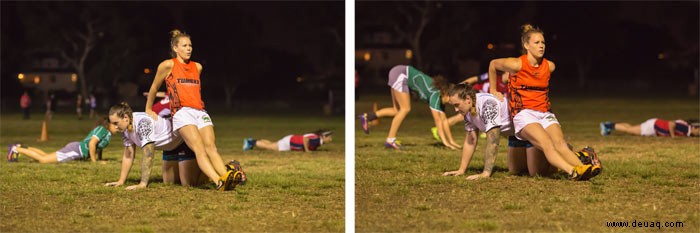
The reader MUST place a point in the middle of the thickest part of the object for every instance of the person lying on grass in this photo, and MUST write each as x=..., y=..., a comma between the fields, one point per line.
x=654, y=127
x=293, y=142
x=86, y=149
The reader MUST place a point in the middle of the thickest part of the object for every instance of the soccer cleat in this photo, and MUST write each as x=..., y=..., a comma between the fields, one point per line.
x=225, y=181
x=584, y=157
x=582, y=172
x=364, y=123
x=248, y=144
x=435, y=134
x=234, y=165
x=12, y=153
x=595, y=161
x=396, y=144
x=604, y=129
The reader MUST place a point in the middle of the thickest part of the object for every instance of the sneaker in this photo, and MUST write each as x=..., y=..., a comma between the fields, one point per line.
x=364, y=123
x=435, y=134
x=248, y=144
x=584, y=157
x=582, y=172
x=12, y=153
x=234, y=165
x=595, y=161
x=604, y=129
x=396, y=144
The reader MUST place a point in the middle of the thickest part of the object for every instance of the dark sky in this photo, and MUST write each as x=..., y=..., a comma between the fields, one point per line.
x=621, y=39
x=229, y=38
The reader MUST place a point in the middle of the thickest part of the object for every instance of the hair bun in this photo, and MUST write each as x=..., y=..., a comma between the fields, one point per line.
x=175, y=32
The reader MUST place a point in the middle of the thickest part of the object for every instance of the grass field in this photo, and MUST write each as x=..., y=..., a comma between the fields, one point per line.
x=285, y=192
x=645, y=179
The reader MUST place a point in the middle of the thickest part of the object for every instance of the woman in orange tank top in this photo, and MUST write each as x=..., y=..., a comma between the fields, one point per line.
x=181, y=76
x=529, y=106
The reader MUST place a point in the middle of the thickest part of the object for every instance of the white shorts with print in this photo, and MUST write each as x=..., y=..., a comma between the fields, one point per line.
x=647, y=127
x=283, y=144
x=69, y=152
x=190, y=116
x=528, y=116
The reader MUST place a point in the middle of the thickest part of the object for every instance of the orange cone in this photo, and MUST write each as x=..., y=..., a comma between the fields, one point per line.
x=44, y=133
x=375, y=108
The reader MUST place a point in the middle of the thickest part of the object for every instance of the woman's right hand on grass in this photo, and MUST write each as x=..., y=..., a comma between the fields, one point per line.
x=453, y=173
x=115, y=184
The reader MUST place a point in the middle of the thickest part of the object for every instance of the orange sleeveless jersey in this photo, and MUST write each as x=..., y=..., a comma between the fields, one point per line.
x=184, y=87
x=529, y=88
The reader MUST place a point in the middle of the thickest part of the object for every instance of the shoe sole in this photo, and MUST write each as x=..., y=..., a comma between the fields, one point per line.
x=228, y=181
x=602, y=129
x=9, y=153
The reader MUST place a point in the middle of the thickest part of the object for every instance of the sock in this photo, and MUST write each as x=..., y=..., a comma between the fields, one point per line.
x=371, y=116
x=390, y=140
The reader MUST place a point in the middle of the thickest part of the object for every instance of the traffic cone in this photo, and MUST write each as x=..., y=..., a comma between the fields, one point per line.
x=44, y=132
x=375, y=108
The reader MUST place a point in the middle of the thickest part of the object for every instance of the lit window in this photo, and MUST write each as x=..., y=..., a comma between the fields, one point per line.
x=73, y=77
x=367, y=56
x=409, y=54
x=37, y=80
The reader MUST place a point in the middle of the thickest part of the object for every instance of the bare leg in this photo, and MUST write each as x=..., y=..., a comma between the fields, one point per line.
x=210, y=146
x=38, y=155
x=170, y=170
x=194, y=141
x=389, y=112
x=560, y=145
x=404, y=106
x=267, y=144
x=190, y=175
x=540, y=139
x=630, y=129
x=517, y=161
x=537, y=163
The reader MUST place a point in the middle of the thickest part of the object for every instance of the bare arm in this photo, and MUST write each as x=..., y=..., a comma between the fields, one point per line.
x=492, y=141
x=467, y=152
x=672, y=129
x=306, y=144
x=471, y=80
x=146, y=166
x=441, y=123
x=92, y=148
x=511, y=65
x=127, y=161
x=164, y=70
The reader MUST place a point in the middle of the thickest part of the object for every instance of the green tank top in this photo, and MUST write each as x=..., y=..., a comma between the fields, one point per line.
x=102, y=134
x=423, y=85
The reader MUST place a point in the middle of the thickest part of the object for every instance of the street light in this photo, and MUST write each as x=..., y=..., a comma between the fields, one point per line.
x=20, y=76
x=367, y=56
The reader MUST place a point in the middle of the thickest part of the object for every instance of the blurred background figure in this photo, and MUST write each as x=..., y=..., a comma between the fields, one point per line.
x=25, y=102
x=92, y=101
x=79, y=106
x=50, y=105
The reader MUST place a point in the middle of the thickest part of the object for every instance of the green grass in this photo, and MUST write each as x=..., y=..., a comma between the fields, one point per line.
x=286, y=191
x=644, y=178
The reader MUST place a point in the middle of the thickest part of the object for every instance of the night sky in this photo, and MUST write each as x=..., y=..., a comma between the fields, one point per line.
x=620, y=41
x=262, y=48
x=257, y=47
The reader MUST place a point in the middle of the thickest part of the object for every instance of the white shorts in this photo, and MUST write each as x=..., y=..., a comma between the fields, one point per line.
x=647, y=127
x=69, y=152
x=398, y=77
x=283, y=144
x=528, y=116
x=190, y=116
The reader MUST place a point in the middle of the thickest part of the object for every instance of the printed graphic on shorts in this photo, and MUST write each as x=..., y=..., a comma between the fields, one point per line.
x=489, y=112
x=551, y=118
x=206, y=119
x=145, y=128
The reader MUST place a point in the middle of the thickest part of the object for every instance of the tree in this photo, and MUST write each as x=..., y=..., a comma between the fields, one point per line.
x=416, y=16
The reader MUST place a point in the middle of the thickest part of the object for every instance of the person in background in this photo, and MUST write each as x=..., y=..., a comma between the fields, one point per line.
x=25, y=102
